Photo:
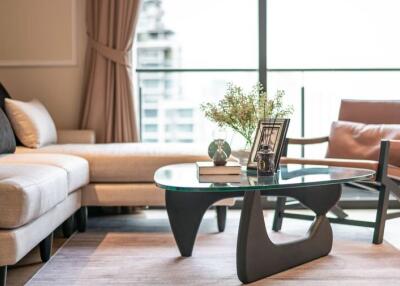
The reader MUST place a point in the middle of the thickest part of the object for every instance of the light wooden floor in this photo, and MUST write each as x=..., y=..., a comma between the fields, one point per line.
x=140, y=250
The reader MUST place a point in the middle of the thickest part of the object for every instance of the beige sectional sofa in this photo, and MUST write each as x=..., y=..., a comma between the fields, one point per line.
x=40, y=189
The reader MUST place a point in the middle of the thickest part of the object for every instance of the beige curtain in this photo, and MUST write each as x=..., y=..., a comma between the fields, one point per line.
x=108, y=107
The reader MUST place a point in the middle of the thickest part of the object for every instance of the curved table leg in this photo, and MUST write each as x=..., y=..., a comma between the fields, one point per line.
x=258, y=257
x=185, y=212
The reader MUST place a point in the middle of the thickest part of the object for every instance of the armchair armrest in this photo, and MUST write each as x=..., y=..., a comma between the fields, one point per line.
x=307, y=141
x=394, y=142
x=76, y=137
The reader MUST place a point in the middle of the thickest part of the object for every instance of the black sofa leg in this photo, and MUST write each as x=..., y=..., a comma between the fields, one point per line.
x=279, y=210
x=46, y=246
x=3, y=275
x=381, y=213
x=68, y=227
x=81, y=219
x=221, y=217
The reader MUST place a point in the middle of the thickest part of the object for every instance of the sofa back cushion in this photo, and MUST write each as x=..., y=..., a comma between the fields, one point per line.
x=7, y=138
x=351, y=140
x=3, y=95
x=32, y=123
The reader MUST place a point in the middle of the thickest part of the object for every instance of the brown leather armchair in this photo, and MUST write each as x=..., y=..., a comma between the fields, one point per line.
x=366, y=135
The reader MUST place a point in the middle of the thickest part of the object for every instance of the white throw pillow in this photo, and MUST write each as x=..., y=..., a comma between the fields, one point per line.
x=31, y=122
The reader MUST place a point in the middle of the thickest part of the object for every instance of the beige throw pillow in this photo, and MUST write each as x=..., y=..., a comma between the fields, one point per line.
x=31, y=122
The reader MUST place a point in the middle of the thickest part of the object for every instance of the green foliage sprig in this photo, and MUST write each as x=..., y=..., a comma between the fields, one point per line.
x=241, y=111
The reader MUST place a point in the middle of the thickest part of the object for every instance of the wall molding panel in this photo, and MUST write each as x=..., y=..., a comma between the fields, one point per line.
x=38, y=33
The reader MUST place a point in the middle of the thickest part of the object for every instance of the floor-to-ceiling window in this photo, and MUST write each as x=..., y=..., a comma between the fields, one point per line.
x=317, y=51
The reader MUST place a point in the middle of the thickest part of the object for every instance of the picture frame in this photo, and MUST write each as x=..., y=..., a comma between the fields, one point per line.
x=278, y=135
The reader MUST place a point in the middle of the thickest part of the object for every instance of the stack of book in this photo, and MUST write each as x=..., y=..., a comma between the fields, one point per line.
x=209, y=173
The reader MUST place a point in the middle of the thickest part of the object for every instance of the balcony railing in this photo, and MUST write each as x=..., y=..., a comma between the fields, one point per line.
x=301, y=106
x=313, y=103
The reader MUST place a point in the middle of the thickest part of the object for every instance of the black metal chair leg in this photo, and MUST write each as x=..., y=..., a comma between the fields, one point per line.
x=279, y=210
x=384, y=191
x=381, y=214
x=3, y=275
x=68, y=227
x=81, y=219
x=221, y=217
x=45, y=248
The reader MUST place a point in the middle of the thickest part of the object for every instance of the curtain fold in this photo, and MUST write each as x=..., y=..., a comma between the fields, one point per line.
x=109, y=107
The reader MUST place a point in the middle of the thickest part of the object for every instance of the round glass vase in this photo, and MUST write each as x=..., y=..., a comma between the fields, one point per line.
x=220, y=157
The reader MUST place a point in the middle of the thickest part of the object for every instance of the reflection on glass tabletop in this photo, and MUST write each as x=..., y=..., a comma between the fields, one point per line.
x=184, y=178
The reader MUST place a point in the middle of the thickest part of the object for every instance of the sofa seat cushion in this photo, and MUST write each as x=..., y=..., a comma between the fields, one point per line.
x=127, y=162
x=28, y=191
x=77, y=168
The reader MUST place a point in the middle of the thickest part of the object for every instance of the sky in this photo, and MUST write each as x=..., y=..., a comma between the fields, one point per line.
x=301, y=33
x=214, y=33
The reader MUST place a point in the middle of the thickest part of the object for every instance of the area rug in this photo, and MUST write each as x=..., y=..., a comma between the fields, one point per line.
x=126, y=257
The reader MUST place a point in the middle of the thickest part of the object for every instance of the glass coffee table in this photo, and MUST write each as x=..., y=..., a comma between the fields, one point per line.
x=316, y=187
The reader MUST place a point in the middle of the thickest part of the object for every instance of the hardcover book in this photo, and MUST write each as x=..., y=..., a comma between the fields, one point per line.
x=219, y=178
x=208, y=168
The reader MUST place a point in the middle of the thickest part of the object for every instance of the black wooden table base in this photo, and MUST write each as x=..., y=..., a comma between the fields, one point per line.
x=257, y=256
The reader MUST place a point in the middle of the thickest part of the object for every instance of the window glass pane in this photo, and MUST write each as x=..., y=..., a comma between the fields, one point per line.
x=176, y=111
x=333, y=33
x=197, y=33
x=323, y=92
